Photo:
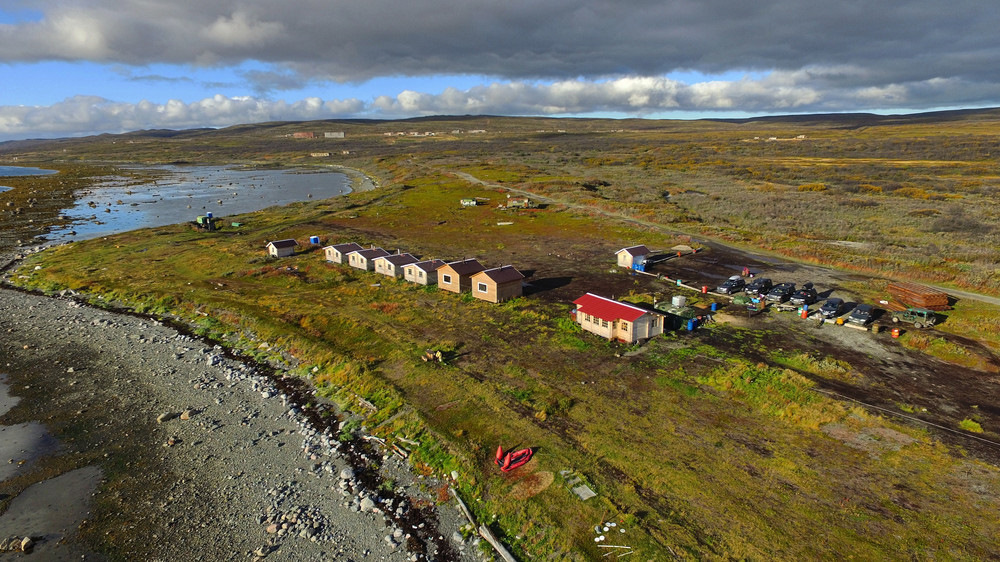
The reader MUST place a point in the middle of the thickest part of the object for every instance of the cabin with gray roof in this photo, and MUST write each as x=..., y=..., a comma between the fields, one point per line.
x=498, y=284
x=627, y=257
x=364, y=259
x=281, y=248
x=422, y=272
x=392, y=266
x=457, y=275
x=336, y=252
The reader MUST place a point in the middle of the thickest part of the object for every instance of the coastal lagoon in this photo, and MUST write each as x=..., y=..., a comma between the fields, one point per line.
x=17, y=171
x=183, y=193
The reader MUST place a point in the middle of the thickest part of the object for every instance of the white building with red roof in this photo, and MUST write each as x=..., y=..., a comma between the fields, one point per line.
x=617, y=320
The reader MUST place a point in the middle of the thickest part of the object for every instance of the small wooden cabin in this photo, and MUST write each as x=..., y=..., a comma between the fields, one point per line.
x=337, y=252
x=393, y=265
x=498, y=284
x=281, y=248
x=616, y=320
x=457, y=275
x=627, y=256
x=422, y=272
x=364, y=259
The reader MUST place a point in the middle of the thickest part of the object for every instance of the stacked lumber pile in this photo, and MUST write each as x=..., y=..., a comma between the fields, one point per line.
x=919, y=296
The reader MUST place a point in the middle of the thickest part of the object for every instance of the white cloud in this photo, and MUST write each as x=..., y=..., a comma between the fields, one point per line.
x=817, y=89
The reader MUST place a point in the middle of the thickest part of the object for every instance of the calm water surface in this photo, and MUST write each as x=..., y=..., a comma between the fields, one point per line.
x=189, y=191
x=12, y=171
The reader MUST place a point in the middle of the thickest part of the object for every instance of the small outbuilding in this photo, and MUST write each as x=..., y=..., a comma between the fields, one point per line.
x=616, y=320
x=422, y=272
x=281, y=248
x=498, y=284
x=627, y=257
x=364, y=259
x=336, y=252
x=457, y=276
x=393, y=265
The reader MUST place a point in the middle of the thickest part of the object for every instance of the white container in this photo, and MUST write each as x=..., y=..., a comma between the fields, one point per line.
x=679, y=301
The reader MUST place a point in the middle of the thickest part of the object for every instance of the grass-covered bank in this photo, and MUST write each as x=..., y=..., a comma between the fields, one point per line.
x=694, y=449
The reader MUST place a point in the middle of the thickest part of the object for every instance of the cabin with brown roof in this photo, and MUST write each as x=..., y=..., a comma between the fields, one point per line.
x=393, y=265
x=422, y=272
x=628, y=256
x=498, y=284
x=364, y=259
x=337, y=252
x=281, y=248
x=457, y=275
x=617, y=320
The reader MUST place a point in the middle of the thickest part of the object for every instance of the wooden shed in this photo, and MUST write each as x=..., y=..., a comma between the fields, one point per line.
x=281, y=248
x=422, y=272
x=457, y=275
x=364, y=259
x=393, y=265
x=498, y=284
x=616, y=320
x=337, y=252
x=627, y=256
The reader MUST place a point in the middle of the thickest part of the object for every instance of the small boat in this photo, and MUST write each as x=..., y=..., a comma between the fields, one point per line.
x=509, y=460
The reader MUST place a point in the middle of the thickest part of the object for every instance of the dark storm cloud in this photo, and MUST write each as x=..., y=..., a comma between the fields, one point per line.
x=556, y=39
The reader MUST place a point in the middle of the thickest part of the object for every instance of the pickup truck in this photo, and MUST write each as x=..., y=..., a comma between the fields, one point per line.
x=919, y=317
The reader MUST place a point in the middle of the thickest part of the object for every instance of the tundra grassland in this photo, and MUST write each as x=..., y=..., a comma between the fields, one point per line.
x=701, y=445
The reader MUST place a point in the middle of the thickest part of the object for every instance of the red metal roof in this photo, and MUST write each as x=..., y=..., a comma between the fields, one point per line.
x=607, y=309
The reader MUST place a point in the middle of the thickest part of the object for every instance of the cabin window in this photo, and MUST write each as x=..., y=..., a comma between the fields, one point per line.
x=624, y=327
x=445, y=278
x=481, y=287
x=420, y=274
x=604, y=323
x=654, y=322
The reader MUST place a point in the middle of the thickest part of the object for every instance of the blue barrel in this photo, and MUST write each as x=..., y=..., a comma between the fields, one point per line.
x=314, y=239
x=209, y=214
x=691, y=324
x=678, y=282
x=715, y=306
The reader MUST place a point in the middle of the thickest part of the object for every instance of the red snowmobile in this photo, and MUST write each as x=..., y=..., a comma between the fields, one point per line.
x=509, y=460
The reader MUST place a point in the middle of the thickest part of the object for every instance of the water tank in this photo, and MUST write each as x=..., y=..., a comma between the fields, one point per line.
x=314, y=239
x=679, y=301
x=209, y=214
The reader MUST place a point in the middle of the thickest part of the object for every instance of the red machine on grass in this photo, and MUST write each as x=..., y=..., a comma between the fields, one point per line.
x=509, y=460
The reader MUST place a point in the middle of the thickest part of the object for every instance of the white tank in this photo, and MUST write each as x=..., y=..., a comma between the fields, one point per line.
x=679, y=301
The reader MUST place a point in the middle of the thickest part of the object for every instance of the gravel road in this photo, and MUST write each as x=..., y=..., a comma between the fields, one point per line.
x=127, y=439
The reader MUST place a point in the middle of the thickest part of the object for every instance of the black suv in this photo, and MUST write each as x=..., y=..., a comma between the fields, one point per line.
x=831, y=308
x=781, y=292
x=805, y=295
x=759, y=286
x=732, y=285
x=862, y=314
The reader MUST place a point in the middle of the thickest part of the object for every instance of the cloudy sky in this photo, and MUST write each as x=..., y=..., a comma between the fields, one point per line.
x=75, y=67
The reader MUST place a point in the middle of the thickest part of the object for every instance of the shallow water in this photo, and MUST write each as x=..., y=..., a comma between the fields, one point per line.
x=12, y=171
x=189, y=191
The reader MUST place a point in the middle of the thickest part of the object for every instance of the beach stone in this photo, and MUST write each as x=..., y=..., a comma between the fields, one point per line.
x=367, y=504
x=27, y=544
x=347, y=473
x=165, y=416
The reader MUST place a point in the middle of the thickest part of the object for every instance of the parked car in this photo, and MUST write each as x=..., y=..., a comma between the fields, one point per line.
x=862, y=314
x=759, y=286
x=781, y=292
x=732, y=285
x=832, y=308
x=806, y=295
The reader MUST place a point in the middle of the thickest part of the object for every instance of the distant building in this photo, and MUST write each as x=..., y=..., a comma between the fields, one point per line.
x=334, y=135
x=319, y=154
x=303, y=135
x=281, y=248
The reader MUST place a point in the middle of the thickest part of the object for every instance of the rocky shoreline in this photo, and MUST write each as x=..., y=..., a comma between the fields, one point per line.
x=197, y=454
